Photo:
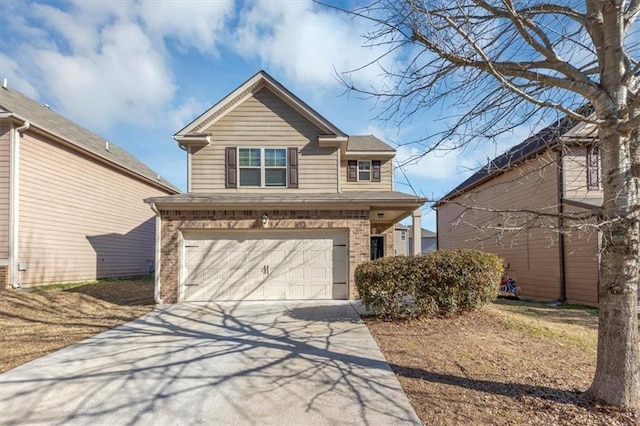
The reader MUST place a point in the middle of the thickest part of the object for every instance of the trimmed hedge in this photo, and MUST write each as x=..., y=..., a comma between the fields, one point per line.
x=442, y=282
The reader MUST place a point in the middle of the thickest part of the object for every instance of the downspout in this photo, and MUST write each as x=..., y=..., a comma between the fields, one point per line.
x=156, y=289
x=339, y=171
x=14, y=197
x=563, y=278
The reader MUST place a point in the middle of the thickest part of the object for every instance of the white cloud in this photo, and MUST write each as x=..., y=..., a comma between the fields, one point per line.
x=123, y=80
x=102, y=63
x=192, y=23
x=10, y=70
x=308, y=43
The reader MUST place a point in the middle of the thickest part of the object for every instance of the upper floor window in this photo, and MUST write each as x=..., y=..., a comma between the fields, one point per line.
x=364, y=170
x=594, y=168
x=262, y=167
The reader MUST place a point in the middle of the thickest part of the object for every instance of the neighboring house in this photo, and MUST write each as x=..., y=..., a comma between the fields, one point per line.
x=71, y=204
x=404, y=240
x=281, y=204
x=428, y=241
x=513, y=206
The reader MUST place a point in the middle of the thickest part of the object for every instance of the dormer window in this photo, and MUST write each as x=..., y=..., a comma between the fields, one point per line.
x=364, y=170
x=262, y=167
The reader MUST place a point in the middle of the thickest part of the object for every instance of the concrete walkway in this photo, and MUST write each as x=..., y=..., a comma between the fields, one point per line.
x=249, y=363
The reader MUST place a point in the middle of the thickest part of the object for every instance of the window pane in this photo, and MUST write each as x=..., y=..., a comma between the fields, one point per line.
x=249, y=157
x=275, y=157
x=364, y=165
x=249, y=177
x=364, y=175
x=275, y=177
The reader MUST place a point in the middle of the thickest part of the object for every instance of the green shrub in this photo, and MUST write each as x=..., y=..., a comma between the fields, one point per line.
x=441, y=282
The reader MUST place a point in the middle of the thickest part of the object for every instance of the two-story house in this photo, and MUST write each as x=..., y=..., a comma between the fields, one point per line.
x=281, y=204
x=70, y=201
x=536, y=206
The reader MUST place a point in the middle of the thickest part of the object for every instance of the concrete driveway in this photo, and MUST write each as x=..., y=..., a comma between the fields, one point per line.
x=248, y=363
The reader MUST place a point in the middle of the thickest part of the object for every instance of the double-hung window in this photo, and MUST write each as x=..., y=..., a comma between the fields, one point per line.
x=262, y=167
x=364, y=170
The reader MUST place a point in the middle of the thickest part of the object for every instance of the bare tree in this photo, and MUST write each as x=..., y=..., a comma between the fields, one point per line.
x=505, y=62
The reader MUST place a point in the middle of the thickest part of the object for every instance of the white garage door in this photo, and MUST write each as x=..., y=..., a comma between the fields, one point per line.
x=257, y=266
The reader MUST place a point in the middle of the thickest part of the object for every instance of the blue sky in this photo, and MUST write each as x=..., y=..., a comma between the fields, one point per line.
x=135, y=72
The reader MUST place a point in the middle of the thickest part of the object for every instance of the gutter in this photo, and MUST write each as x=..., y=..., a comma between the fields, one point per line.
x=14, y=201
x=156, y=289
x=561, y=260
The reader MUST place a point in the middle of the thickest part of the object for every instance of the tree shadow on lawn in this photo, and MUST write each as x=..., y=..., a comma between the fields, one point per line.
x=129, y=292
x=511, y=390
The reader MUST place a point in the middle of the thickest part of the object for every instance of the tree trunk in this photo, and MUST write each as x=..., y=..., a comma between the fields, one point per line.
x=617, y=377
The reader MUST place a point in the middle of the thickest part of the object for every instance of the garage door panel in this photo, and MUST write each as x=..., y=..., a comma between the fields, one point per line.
x=257, y=266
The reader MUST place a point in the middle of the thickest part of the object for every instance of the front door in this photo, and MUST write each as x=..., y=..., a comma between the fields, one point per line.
x=377, y=246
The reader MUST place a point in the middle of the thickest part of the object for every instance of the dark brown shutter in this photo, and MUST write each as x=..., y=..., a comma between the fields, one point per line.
x=231, y=165
x=352, y=171
x=375, y=171
x=593, y=168
x=292, y=167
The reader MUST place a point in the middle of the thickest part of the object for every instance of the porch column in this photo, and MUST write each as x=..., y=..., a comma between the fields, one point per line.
x=416, y=218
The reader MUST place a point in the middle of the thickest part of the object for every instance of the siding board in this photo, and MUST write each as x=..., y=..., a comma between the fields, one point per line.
x=264, y=120
x=80, y=219
x=533, y=254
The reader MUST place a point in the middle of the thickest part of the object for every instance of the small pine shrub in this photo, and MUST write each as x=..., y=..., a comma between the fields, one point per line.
x=445, y=282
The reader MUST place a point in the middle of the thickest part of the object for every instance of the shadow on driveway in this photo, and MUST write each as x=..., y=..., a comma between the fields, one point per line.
x=244, y=363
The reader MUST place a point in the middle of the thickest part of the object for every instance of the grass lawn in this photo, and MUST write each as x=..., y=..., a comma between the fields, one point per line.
x=512, y=363
x=36, y=323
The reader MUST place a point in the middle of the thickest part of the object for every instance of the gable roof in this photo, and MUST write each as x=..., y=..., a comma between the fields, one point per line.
x=20, y=106
x=367, y=143
x=425, y=232
x=548, y=138
x=259, y=81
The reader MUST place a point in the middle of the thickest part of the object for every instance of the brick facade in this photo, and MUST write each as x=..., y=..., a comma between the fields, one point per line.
x=4, y=276
x=175, y=222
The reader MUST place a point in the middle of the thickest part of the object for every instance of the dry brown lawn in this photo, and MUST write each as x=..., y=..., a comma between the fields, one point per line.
x=512, y=363
x=36, y=323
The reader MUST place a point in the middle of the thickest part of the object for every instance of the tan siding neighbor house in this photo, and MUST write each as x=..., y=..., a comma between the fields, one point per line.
x=71, y=203
x=515, y=205
x=281, y=204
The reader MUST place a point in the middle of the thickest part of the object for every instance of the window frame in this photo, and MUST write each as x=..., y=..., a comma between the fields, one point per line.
x=263, y=167
x=370, y=171
x=594, y=151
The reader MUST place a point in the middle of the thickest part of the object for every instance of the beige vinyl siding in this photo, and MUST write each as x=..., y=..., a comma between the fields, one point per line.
x=80, y=219
x=581, y=260
x=532, y=254
x=4, y=190
x=575, y=174
x=386, y=176
x=264, y=120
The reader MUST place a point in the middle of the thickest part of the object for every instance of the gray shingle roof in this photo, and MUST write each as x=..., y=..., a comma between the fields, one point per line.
x=367, y=143
x=12, y=101
x=350, y=197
